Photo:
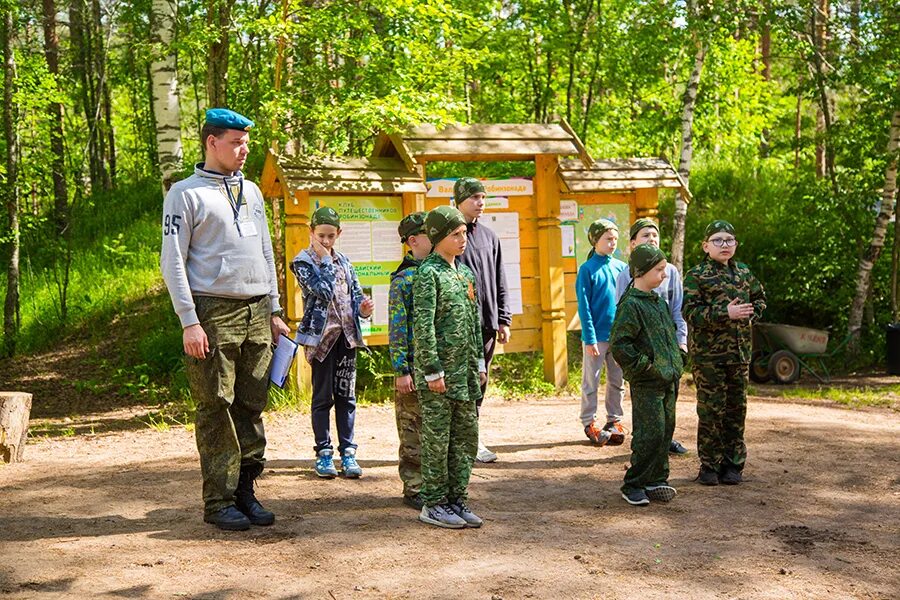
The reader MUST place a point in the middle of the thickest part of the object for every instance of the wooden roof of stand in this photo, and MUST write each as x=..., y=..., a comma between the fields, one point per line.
x=505, y=141
x=619, y=174
x=362, y=175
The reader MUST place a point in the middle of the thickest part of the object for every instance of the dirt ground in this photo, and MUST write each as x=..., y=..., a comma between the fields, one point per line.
x=118, y=515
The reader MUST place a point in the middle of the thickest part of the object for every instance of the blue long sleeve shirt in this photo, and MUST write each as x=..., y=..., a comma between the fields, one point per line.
x=595, y=288
x=671, y=291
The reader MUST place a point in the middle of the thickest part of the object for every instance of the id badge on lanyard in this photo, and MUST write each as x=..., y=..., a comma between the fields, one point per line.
x=245, y=225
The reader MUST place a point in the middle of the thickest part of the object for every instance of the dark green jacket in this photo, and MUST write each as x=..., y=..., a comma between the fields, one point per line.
x=643, y=340
x=708, y=288
x=447, y=327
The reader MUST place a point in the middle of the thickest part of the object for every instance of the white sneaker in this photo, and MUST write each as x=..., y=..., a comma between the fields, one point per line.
x=442, y=516
x=484, y=455
x=462, y=510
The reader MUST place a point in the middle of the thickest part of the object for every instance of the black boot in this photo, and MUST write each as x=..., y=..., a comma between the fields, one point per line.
x=245, y=500
x=229, y=519
x=731, y=475
x=708, y=476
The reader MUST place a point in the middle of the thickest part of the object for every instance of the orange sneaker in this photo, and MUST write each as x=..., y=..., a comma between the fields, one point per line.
x=616, y=433
x=597, y=435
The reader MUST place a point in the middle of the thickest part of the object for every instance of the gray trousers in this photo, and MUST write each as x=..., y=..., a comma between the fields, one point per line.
x=590, y=382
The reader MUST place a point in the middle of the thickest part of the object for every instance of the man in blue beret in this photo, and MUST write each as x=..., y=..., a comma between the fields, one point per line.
x=218, y=265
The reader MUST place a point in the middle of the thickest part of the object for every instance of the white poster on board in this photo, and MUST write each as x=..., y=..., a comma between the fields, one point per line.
x=506, y=226
x=356, y=241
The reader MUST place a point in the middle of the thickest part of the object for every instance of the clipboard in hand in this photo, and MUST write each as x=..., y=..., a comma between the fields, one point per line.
x=282, y=359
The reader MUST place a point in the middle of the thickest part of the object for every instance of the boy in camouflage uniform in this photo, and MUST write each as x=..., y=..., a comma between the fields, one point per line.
x=449, y=373
x=400, y=333
x=643, y=341
x=721, y=299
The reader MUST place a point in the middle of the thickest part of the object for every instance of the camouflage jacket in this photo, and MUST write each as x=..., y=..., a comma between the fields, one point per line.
x=316, y=279
x=643, y=340
x=447, y=327
x=400, y=311
x=708, y=288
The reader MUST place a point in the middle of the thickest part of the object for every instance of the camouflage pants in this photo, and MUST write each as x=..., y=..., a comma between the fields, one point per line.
x=449, y=443
x=409, y=428
x=653, y=423
x=230, y=389
x=722, y=410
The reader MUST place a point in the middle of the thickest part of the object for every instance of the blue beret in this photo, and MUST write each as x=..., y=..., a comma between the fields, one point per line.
x=227, y=119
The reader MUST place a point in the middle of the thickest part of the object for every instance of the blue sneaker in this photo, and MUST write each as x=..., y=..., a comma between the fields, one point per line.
x=349, y=467
x=325, y=464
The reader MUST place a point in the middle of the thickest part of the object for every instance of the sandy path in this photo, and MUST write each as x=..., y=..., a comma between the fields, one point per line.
x=118, y=516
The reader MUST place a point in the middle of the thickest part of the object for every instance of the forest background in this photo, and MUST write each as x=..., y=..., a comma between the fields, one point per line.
x=783, y=117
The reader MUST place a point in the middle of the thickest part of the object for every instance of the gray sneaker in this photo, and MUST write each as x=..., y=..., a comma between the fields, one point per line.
x=442, y=516
x=661, y=493
x=484, y=455
x=462, y=510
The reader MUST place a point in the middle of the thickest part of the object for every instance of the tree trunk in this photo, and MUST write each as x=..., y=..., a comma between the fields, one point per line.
x=765, y=51
x=895, y=266
x=870, y=256
x=798, y=125
x=58, y=172
x=218, y=18
x=825, y=111
x=15, y=410
x=10, y=187
x=687, y=154
x=82, y=67
x=166, y=111
x=102, y=102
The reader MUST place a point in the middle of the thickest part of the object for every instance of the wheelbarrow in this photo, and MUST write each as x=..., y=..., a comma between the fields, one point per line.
x=782, y=352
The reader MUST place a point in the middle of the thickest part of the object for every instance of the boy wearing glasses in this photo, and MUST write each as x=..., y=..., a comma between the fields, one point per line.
x=721, y=300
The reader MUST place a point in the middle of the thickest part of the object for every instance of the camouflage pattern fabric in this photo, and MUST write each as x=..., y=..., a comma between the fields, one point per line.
x=465, y=188
x=447, y=310
x=230, y=388
x=643, y=341
x=406, y=406
x=708, y=288
x=721, y=412
x=653, y=423
x=400, y=311
x=409, y=430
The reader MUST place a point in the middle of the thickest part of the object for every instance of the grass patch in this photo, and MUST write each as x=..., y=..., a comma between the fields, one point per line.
x=888, y=396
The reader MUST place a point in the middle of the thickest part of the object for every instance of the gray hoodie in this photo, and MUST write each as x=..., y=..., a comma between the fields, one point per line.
x=203, y=252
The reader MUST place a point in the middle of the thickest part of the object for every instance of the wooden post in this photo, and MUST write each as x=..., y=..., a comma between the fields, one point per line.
x=15, y=408
x=296, y=239
x=552, y=277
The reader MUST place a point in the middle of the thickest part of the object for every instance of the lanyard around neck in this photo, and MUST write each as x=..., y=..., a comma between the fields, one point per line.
x=235, y=203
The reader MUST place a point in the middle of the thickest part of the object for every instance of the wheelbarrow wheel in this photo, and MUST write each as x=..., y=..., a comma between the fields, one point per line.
x=784, y=367
x=759, y=368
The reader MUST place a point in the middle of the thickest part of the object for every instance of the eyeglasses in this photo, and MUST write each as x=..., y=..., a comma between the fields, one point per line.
x=724, y=242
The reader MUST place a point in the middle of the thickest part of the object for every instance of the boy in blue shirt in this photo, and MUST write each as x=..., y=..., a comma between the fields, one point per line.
x=595, y=288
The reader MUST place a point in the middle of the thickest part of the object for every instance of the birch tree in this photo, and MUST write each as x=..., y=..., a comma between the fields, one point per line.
x=689, y=102
x=165, y=90
x=10, y=186
x=870, y=256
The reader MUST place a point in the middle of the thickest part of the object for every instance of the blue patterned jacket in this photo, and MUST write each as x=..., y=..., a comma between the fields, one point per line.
x=400, y=309
x=316, y=280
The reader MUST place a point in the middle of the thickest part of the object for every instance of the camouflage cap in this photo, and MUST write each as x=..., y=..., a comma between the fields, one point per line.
x=643, y=258
x=598, y=228
x=466, y=187
x=441, y=221
x=412, y=224
x=325, y=215
x=717, y=226
x=640, y=224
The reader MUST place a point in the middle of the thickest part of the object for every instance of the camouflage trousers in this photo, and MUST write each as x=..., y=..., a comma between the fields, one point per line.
x=409, y=429
x=653, y=423
x=449, y=444
x=230, y=389
x=721, y=412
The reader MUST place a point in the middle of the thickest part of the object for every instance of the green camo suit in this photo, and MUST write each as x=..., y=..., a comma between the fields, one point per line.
x=643, y=341
x=447, y=331
x=720, y=351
